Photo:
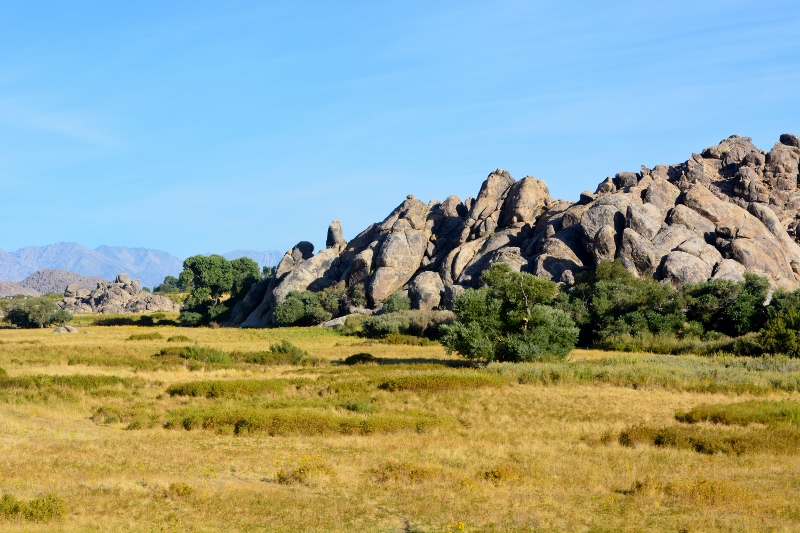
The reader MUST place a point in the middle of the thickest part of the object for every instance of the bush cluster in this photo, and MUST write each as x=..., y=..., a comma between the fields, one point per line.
x=39, y=312
x=508, y=319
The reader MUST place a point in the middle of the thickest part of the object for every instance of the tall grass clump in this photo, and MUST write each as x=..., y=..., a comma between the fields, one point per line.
x=302, y=422
x=152, y=336
x=235, y=387
x=282, y=353
x=442, y=382
x=44, y=509
x=203, y=354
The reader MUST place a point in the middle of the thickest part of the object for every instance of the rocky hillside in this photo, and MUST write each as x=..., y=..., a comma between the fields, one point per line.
x=120, y=296
x=728, y=210
x=9, y=288
x=44, y=281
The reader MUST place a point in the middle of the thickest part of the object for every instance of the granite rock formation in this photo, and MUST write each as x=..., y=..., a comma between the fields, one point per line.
x=728, y=210
x=120, y=296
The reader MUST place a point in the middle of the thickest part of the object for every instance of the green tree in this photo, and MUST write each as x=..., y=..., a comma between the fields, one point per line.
x=37, y=312
x=508, y=320
x=246, y=274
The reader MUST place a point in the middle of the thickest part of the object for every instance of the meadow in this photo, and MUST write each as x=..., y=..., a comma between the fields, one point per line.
x=161, y=428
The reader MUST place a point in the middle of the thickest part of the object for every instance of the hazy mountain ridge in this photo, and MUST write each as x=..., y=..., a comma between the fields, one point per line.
x=145, y=264
x=268, y=258
x=149, y=266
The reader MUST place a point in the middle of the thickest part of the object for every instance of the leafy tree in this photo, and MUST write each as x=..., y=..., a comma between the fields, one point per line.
x=781, y=333
x=209, y=278
x=246, y=273
x=507, y=319
x=171, y=284
x=37, y=312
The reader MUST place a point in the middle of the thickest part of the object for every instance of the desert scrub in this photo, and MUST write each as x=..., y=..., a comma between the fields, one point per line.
x=235, y=387
x=44, y=509
x=506, y=472
x=693, y=491
x=152, y=336
x=306, y=470
x=301, y=422
x=442, y=382
x=137, y=416
x=403, y=472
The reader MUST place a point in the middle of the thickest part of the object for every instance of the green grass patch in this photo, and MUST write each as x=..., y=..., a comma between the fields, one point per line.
x=442, y=382
x=285, y=422
x=728, y=374
x=235, y=387
x=152, y=336
x=83, y=382
x=765, y=412
x=137, y=416
x=708, y=440
x=45, y=509
x=202, y=354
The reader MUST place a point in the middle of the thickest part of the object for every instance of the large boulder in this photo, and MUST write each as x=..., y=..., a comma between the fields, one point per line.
x=426, y=291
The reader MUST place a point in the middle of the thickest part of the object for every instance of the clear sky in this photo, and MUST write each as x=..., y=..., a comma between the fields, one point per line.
x=209, y=126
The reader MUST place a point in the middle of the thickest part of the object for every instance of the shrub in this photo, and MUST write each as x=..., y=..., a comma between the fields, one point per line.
x=403, y=472
x=781, y=333
x=197, y=353
x=397, y=301
x=153, y=336
x=283, y=353
x=417, y=323
x=360, y=359
x=178, y=338
x=301, y=309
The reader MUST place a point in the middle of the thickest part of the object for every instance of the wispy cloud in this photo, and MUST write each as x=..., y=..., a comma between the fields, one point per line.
x=74, y=124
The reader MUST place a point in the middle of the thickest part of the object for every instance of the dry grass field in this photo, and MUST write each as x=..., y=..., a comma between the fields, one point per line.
x=98, y=433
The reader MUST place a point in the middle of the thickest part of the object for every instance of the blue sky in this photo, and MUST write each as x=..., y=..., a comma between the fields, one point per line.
x=209, y=126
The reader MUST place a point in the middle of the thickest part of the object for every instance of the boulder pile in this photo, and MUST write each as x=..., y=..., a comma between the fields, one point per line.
x=729, y=210
x=120, y=296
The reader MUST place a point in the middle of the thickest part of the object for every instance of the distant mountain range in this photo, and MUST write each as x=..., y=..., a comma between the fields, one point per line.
x=149, y=266
x=268, y=258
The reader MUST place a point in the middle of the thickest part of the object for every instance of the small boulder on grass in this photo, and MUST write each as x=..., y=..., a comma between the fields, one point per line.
x=361, y=359
x=65, y=329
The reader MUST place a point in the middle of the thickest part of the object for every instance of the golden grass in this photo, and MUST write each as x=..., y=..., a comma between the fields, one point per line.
x=504, y=453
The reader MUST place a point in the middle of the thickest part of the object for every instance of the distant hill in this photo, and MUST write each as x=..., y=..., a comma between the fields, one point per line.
x=9, y=288
x=44, y=281
x=268, y=258
x=149, y=266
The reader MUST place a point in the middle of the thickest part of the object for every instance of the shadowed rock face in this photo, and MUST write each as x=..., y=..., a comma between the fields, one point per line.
x=730, y=210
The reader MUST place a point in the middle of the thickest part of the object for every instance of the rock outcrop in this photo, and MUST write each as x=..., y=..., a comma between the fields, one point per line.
x=730, y=210
x=120, y=296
